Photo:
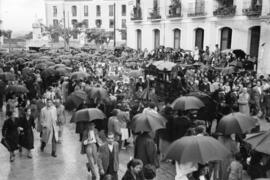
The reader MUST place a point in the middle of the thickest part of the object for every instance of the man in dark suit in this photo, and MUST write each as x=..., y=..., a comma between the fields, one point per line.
x=108, y=161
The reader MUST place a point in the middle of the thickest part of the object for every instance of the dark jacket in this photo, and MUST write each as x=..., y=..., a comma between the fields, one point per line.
x=11, y=134
x=27, y=137
x=129, y=176
x=103, y=160
x=146, y=150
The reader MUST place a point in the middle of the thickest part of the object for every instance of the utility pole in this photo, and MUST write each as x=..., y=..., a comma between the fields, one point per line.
x=114, y=29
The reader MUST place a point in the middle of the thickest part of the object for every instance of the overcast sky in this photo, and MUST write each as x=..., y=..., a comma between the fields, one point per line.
x=18, y=15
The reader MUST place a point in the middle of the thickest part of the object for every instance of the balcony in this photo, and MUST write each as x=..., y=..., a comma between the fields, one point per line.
x=136, y=14
x=197, y=9
x=224, y=11
x=175, y=10
x=154, y=14
x=253, y=11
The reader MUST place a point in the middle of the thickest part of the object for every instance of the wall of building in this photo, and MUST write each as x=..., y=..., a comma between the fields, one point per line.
x=239, y=24
x=64, y=7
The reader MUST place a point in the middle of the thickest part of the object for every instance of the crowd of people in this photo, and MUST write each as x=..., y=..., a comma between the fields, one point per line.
x=41, y=87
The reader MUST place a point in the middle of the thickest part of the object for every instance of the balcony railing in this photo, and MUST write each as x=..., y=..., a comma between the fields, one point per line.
x=197, y=9
x=174, y=11
x=136, y=13
x=154, y=14
x=252, y=11
x=225, y=11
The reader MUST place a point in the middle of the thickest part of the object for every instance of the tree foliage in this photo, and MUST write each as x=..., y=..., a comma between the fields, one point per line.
x=99, y=36
x=6, y=33
x=60, y=31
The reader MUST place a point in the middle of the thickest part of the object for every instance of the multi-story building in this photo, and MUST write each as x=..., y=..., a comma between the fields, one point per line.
x=94, y=13
x=232, y=24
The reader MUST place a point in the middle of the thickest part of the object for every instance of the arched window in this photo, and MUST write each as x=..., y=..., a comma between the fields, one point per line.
x=139, y=39
x=199, y=38
x=225, y=38
x=156, y=38
x=255, y=33
x=74, y=10
x=176, y=38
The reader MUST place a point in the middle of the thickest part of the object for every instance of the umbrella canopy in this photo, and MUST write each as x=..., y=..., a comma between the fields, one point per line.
x=17, y=89
x=260, y=141
x=75, y=99
x=98, y=93
x=197, y=149
x=235, y=123
x=148, y=121
x=79, y=75
x=187, y=103
x=88, y=115
x=7, y=76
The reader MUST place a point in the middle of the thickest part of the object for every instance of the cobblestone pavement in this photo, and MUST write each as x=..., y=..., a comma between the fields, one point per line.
x=69, y=165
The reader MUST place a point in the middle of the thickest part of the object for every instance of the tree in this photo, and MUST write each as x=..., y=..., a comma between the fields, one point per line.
x=65, y=33
x=99, y=36
x=6, y=34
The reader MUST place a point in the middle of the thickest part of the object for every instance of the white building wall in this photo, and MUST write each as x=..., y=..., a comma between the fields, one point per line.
x=66, y=6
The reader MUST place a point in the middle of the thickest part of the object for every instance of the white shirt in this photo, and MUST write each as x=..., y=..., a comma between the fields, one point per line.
x=110, y=147
x=182, y=170
x=91, y=137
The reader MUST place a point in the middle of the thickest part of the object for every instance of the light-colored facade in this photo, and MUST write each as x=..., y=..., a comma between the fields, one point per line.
x=96, y=14
x=232, y=24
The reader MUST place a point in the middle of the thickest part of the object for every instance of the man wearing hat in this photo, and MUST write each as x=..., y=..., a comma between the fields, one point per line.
x=108, y=161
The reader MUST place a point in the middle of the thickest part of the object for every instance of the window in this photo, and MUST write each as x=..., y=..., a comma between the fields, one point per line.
x=111, y=23
x=226, y=38
x=74, y=22
x=98, y=9
x=177, y=38
x=255, y=33
x=74, y=10
x=139, y=39
x=55, y=22
x=124, y=10
x=199, y=38
x=54, y=11
x=98, y=23
x=124, y=35
x=86, y=23
x=111, y=10
x=124, y=23
x=199, y=6
x=85, y=8
x=156, y=38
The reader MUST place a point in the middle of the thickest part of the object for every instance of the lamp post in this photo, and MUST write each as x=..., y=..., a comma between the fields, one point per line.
x=114, y=28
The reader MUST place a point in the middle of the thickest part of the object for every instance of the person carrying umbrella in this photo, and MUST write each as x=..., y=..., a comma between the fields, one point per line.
x=90, y=141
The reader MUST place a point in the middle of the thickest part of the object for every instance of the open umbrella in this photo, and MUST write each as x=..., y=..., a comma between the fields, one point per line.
x=197, y=149
x=260, y=141
x=79, y=75
x=88, y=115
x=148, y=121
x=75, y=99
x=17, y=89
x=98, y=93
x=209, y=111
x=187, y=103
x=235, y=123
x=7, y=76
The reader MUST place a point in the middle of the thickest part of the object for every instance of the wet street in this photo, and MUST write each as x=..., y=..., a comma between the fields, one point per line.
x=69, y=164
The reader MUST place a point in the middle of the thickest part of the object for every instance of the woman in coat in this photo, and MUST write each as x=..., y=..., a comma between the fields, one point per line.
x=27, y=122
x=243, y=102
x=10, y=133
